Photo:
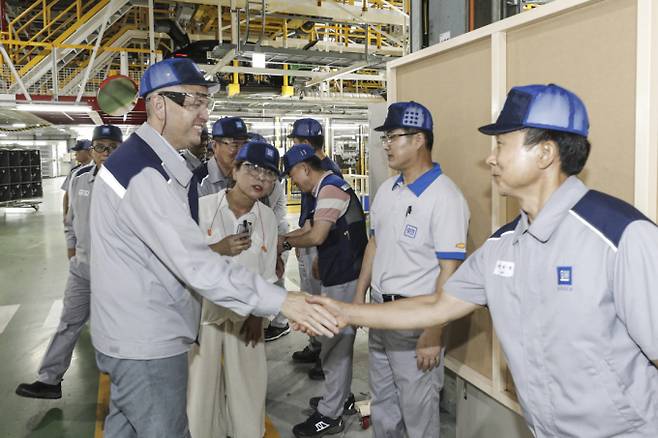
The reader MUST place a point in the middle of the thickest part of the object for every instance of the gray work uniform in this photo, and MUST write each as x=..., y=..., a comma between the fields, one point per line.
x=191, y=160
x=572, y=299
x=148, y=258
x=75, y=310
x=67, y=180
x=212, y=180
x=415, y=226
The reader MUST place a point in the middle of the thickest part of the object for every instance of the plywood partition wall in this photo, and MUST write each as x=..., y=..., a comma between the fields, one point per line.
x=604, y=50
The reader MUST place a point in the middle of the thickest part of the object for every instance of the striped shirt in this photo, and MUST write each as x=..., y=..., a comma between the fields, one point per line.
x=332, y=202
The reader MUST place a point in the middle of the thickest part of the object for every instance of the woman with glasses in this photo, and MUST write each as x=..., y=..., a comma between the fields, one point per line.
x=228, y=373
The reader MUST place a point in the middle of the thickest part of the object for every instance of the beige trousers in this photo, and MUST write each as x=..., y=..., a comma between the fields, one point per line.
x=227, y=384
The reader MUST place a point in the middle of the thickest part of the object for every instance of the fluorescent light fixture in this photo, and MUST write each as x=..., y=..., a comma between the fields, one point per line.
x=18, y=125
x=53, y=107
x=258, y=60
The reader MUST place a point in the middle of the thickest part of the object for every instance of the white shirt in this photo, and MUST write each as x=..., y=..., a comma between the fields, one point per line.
x=416, y=225
x=217, y=221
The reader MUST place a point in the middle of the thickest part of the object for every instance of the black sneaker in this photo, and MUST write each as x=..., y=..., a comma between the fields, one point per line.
x=316, y=372
x=273, y=333
x=349, y=407
x=307, y=355
x=317, y=425
x=39, y=390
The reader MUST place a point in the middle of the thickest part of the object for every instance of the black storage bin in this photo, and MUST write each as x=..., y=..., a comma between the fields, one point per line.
x=26, y=174
x=25, y=157
x=15, y=192
x=5, y=193
x=5, y=175
x=14, y=175
x=35, y=157
x=35, y=173
x=37, y=191
x=26, y=191
x=14, y=158
x=4, y=158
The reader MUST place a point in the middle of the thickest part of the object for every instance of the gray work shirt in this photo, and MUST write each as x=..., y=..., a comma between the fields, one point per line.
x=574, y=303
x=148, y=255
x=67, y=180
x=212, y=180
x=76, y=222
x=191, y=160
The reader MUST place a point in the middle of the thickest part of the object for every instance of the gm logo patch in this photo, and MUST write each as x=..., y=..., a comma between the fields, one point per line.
x=564, y=276
x=410, y=231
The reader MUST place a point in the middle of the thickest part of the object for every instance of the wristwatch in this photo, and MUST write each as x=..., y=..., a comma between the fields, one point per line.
x=286, y=245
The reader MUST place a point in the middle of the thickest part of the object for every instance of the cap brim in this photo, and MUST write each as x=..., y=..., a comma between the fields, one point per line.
x=495, y=128
x=386, y=128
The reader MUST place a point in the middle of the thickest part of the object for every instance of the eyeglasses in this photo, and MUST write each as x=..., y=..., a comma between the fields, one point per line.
x=388, y=139
x=190, y=101
x=260, y=172
x=101, y=148
x=235, y=143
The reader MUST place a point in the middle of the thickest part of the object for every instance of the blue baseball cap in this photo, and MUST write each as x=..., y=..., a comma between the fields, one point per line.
x=110, y=132
x=254, y=136
x=261, y=153
x=173, y=71
x=306, y=128
x=541, y=106
x=295, y=155
x=231, y=127
x=407, y=115
x=81, y=145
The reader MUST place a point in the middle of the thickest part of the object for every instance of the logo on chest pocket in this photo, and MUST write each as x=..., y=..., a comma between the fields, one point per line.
x=83, y=192
x=410, y=231
x=564, y=276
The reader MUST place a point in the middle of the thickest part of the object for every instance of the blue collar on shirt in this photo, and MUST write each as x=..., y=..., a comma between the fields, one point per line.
x=422, y=182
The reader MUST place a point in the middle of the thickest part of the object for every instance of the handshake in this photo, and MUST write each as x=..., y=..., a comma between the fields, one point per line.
x=315, y=315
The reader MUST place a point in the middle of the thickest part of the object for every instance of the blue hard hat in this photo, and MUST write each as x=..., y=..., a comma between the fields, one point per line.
x=261, y=153
x=81, y=145
x=407, y=115
x=110, y=132
x=541, y=106
x=306, y=128
x=173, y=71
x=231, y=127
x=295, y=155
x=254, y=136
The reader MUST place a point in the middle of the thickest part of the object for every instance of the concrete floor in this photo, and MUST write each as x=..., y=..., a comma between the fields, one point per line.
x=33, y=271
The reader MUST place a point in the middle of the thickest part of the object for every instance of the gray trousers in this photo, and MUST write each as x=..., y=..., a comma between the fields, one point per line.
x=336, y=356
x=147, y=397
x=308, y=283
x=75, y=314
x=405, y=400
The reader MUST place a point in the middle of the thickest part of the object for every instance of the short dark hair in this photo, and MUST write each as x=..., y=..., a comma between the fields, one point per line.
x=574, y=149
x=429, y=136
x=316, y=142
x=314, y=163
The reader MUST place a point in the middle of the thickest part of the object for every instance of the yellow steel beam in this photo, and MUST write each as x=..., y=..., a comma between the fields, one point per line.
x=68, y=32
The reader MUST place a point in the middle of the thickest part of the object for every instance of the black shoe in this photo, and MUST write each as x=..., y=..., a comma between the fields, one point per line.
x=317, y=425
x=349, y=407
x=307, y=355
x=39, y=390
x=273, y=333
x=316, y=372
